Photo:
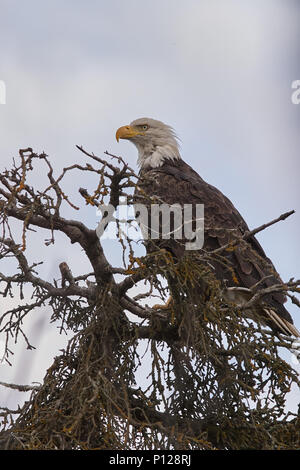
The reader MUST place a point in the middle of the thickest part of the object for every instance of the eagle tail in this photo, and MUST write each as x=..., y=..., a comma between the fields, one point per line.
x=241, y=295
x=285, y=327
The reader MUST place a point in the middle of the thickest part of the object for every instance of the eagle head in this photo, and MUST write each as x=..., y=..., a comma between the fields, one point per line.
x=156, y=142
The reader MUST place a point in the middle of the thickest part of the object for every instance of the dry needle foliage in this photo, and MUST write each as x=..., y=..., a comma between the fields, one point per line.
x=199, y=374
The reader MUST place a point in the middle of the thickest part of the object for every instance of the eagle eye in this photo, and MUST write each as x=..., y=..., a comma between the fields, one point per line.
x=145, y=127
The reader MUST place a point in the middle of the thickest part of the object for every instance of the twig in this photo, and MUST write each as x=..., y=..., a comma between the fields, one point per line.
x=97, y=159
x=291, y=285
x=264, y=226
x=21, y=388
x=7, y=411
x=250, y=233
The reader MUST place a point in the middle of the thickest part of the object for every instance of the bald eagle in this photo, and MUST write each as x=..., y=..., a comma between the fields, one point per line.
x=166, y=176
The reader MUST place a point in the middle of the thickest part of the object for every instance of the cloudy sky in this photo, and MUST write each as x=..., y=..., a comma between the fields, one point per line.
x=218, y=71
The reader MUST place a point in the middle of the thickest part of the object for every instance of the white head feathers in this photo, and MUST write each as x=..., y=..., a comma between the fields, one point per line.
x=156, y=142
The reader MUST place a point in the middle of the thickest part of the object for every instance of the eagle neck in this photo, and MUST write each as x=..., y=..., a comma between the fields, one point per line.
x=158, y=156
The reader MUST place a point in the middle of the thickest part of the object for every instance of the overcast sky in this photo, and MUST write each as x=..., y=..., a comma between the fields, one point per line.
x=218, y=71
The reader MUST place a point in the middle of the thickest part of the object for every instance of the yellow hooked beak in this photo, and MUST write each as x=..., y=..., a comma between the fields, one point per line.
x=127, y=132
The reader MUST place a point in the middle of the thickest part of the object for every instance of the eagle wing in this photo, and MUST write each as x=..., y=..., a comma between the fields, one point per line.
x=246, y=263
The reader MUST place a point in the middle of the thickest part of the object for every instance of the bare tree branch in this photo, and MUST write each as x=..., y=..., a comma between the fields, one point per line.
x=131, y=376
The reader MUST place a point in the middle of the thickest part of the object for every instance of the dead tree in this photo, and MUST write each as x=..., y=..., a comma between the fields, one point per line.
x=215, y=377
